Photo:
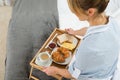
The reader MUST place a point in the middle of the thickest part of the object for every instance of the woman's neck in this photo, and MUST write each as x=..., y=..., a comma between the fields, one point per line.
x=98, y=20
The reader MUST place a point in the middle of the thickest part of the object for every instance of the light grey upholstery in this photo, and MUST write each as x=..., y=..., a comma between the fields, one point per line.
x=31, y=24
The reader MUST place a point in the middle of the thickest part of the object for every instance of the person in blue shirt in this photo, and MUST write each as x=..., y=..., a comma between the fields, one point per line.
x=96, y=57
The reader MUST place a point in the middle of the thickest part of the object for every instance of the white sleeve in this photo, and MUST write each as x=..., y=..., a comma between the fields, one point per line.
x=76, y=72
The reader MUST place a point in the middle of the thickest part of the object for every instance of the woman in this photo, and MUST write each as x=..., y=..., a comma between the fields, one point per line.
x=96, y=57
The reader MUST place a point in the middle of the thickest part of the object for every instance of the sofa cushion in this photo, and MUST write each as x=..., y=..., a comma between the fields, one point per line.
x=31, y=24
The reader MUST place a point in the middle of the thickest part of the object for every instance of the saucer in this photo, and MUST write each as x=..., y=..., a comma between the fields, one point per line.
x=37, y=61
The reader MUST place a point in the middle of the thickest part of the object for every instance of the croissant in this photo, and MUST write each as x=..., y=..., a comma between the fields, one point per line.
x=58, y=57
x=64, y=52
x=60, y=54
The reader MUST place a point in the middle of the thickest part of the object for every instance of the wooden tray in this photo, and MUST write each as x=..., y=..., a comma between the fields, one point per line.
x=52, y=38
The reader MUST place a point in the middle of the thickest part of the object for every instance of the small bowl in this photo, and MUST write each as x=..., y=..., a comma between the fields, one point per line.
x=52, y=45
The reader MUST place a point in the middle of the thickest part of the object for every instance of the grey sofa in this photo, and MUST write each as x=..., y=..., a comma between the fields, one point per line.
x=31, y=24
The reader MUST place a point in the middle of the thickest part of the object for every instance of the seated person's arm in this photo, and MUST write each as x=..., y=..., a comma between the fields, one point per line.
x=80, y=32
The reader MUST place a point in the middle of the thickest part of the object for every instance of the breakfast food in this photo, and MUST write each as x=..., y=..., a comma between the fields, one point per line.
x=67, y=41
x=52, y=45
x=64, y=37
x=60, y=54
x=44, y=56
x=64, y=52
x=68, y=45
x=58, y=57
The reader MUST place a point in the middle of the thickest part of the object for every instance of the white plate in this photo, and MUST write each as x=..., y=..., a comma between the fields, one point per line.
x=67, y=60
x=74, y=41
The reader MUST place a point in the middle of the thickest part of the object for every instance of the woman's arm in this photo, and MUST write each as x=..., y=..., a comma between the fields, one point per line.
x=52, y=70
x=80, y=32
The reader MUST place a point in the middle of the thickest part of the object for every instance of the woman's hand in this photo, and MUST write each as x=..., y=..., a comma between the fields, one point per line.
x=80, y=32
x=70, y=31
x=51, y=71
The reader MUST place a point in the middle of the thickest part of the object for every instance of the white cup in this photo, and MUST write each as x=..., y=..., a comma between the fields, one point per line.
x=44, y=57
